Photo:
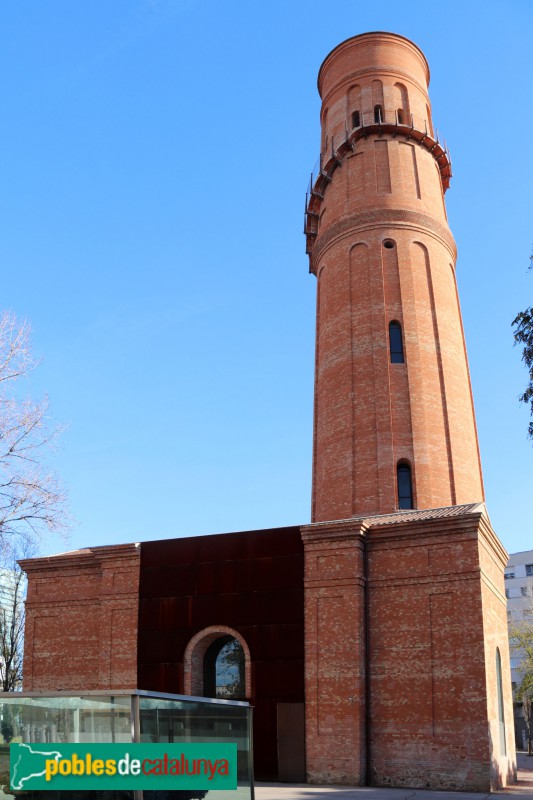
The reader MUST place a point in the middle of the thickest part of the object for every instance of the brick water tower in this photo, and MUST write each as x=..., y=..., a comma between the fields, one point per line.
x=394, y=420
x=405, y=608
x=374, y=639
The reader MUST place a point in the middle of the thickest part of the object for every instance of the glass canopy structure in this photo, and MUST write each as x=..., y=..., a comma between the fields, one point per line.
x=120, y=717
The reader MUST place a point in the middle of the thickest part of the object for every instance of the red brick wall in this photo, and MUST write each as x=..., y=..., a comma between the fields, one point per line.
x=428, y=705
x=403, y=615
x=492, y=559
x=334, y=653
x=415, y=707
x=81, y=620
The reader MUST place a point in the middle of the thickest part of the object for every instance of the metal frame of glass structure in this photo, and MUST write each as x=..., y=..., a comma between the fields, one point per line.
x=125, y=716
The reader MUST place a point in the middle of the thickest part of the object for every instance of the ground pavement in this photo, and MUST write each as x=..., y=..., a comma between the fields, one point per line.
x=280, y=791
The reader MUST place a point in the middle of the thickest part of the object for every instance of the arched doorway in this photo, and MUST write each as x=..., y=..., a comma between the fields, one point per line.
x=224, y=669
x=217, y=663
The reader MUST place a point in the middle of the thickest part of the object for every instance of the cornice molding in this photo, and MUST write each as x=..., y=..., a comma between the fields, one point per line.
x=379, y=217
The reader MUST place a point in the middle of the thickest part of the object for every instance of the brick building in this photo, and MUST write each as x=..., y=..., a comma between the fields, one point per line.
x=372, y=642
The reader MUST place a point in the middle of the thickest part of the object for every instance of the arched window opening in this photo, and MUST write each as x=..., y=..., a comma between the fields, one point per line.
x=224, y=671
x=396, y=343
x=405, y=487
x=194, y=659
x=401, y=101
x=377, y=95
x=501, y=710
x=353, y=101
x=378, y=114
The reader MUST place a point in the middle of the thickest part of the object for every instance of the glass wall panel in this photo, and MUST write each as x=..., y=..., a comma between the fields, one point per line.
x=124, y=718
x=166, y=720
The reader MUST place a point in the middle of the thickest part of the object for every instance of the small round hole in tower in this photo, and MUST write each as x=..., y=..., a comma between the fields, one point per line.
x=388, y=243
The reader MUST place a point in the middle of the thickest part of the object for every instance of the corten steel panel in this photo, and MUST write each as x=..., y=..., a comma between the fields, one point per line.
x=250, y=581
x=291, y=737
x=279, y=642
x=266, y=748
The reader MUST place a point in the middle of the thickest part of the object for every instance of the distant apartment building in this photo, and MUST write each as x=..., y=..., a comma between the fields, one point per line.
x=7, y=590
x=12, y=595
x=519, y=593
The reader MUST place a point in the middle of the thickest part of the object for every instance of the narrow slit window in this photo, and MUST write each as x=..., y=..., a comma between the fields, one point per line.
x=356, y=119
x=501, y=714
x=396, y=343
x=401, y=116
x=378, y=114
x=405, y=487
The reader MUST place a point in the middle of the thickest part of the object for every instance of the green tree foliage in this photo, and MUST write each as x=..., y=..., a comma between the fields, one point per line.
x=523, y=335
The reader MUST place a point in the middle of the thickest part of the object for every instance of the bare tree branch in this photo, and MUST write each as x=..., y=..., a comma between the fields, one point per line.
x=12, y=618
x=32, y=500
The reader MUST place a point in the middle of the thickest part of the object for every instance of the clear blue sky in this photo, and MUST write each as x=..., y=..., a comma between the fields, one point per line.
x=155, y=155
